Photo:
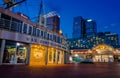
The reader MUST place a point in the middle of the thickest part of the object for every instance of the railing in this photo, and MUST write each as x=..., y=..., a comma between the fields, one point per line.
x=10, y=25
x=17, y=27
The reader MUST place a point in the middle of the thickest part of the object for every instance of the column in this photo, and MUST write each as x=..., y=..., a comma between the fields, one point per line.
x=2, y=51
x=46, y=61
x=63, y=57
x=56, y=60
x=28, y=55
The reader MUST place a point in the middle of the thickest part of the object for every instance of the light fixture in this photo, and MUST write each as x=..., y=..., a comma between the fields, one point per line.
x=18, y=44
x=76, y=55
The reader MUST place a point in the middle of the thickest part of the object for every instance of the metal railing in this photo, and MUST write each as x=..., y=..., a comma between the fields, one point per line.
x=17, y=27
x=10, y=25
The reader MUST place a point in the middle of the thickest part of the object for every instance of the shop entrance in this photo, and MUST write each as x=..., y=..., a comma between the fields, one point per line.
x=14, y=53
x=103, y=58
x=38, y=55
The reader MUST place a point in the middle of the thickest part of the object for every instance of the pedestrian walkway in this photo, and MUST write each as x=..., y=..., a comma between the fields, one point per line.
x=97, y=70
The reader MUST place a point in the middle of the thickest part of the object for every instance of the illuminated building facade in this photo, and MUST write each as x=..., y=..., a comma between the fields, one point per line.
x=90, y=42
x=100, y=53
x=24, y=42
x=86, y=47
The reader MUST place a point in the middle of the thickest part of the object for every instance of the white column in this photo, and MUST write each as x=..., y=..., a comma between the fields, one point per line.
x=56, y=57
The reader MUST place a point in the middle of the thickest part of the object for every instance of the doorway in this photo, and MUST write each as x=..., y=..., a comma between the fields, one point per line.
x=103, y=58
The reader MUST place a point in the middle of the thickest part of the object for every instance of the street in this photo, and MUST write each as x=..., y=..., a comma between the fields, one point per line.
x=97, y=70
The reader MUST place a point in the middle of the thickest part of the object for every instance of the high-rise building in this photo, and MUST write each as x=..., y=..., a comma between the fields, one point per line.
x=90, y=28
x=53, y=23
x=83, y=28
x=78, y=27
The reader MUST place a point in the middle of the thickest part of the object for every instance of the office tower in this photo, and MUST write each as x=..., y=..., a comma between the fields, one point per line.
x=78, y=27
x=90, y=28
x=83, y=28
x=53, y=23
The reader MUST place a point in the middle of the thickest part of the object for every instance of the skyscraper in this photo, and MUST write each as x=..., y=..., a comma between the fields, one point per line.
x=53, y=23
x=78, y=27
x=83, y=28
x=90, y=28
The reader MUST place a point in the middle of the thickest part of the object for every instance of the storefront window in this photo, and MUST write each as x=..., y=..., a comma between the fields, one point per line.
x=9, y=52
x=14, y=52
x=21, y=52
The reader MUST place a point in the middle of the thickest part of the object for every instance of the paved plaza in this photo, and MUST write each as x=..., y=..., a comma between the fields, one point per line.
x=98, y=70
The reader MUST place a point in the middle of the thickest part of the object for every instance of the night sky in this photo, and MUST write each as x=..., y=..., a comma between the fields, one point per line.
x=106, y=13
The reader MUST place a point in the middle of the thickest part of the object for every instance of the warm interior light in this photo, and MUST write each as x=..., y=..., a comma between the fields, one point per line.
x=38, y=54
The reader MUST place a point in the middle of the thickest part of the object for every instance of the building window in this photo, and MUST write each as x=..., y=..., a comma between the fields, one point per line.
x=48, y=36
x=30, y=30
x=42, y=33
x=54, y=38
x=25, y=28
x=34, y=31
x=45, y=34
x=38, y=32
x=15, y=24
x=6, y=21
x=20, y=26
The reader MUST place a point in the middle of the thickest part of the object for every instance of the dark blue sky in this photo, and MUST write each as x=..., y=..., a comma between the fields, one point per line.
x=106, y=13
